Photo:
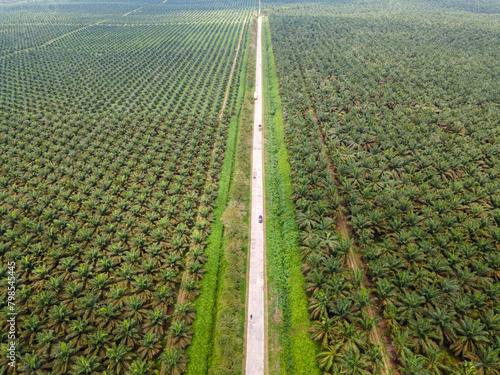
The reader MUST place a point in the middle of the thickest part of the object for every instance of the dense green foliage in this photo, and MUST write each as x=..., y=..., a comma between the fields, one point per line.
x=392, y=115
x=217, y=331
x=111, y=154
x=297, y=352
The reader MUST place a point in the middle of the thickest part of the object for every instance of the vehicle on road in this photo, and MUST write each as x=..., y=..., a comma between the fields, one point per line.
x=255, y=95
x=260, y=126
x=260, y=218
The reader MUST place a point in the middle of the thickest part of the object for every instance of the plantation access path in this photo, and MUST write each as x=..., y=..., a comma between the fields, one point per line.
x=256, y=317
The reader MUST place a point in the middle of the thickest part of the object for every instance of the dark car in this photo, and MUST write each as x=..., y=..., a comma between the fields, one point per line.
x=260, y=218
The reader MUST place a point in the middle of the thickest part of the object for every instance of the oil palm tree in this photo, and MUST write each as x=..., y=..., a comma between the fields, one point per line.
x=107, y=316
x=142, y=285
x=470, y=336
x=78, y=330
x=46, y=340
x=73, y=291
x=436, y=365
x=85, y=366
x=97, y=343
x=140, y=367
x=332, y=266
x=375, y=357
x=185, y=312
x=149, y=346
x=487, y=361
x=315, y=280
x=173, y=361
x=350, y=336
x=362, y=299
x=321, y=330
x=196, y=270
x=163, y=297
x=409, y=305
x=126, y=273
x=173, y=261
x=342, y=309
x=88, y=306
x=353, y=362
x=386, y=292
x=59, y=318
x=180, y=334
x=306, y=220
x=329, y=356
x=366, y=323
x=467, y=368
x=196, y=253
x=378, y=270
x=344, y=246
x=116, y=294
x=338, y=286
x=32, y=364
x=155, y=322
x=314, y=260
x=43, y=301
x=431, y=296
x=319, y=304
x=126, y=332
x=443, y=321
x=329, y=240
x=422, y=335
x=413, y=364
x=118, y=359
x=64, y=355
x=192, y=288
x=31, y=325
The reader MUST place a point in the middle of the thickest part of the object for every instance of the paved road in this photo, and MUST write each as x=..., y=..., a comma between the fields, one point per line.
x=256, y=336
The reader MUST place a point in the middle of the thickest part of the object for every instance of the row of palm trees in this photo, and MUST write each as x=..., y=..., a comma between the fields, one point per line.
x=170, y=86
x=106, y=208
x=338, y=302
x=417, y=177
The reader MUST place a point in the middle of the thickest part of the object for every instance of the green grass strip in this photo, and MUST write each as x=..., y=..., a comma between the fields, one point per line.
x=299, y=356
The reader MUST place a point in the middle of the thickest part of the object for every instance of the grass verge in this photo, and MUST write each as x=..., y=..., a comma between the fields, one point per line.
x=292, y=351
